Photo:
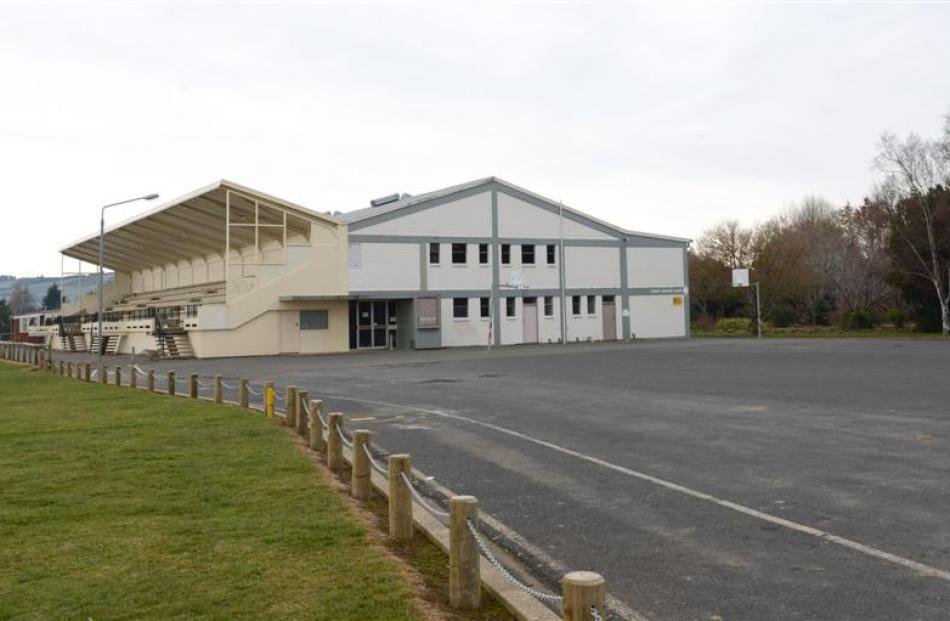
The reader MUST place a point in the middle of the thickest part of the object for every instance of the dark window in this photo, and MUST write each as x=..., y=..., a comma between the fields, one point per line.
x=608, y=298
x=552, y=254
x=434, y=254
x=591, y=304
x=527, y=254
x=509, y=307
x=314, y=320
x=459, y=252
x=483, y=254
x=506, y=254
x=460, y=308
x=549, y=306
x=576, y=304
x=483, y=307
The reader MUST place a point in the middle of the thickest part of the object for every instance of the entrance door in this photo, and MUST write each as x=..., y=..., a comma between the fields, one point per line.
x=289, y=332
x=610, y=320
x=372, y=324
x=530, y=313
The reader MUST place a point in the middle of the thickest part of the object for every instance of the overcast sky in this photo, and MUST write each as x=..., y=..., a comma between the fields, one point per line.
x=657, y=117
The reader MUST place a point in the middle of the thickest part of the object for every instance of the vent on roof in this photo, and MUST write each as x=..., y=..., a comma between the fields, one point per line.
x=388, y=199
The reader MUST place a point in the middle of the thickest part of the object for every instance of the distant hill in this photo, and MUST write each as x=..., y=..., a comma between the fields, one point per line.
x=37, y=285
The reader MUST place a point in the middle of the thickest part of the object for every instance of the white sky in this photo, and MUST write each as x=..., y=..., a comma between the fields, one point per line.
x=656, y=117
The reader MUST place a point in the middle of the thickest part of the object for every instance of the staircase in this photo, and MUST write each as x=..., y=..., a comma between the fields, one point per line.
x=72, y=342
x=110, y=343
x=174, y=344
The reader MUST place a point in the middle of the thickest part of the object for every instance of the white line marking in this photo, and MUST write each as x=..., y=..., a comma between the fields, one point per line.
x=921, y=568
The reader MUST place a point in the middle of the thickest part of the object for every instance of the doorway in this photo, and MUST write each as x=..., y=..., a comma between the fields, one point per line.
x=372, y=324
x=289, y=332
x=529, y=313
x=610, y=318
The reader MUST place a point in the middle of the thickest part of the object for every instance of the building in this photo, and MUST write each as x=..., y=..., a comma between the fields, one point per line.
x=229, y=271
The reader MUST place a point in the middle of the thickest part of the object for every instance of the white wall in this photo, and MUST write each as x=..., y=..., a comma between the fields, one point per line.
x=462, y=332
x=656, y=316
x=447, y=275
x=540, y=275
x=517, y=218
x=584, y=326
x=384, y=267
x=511, y=328
x=549, y=328
x=655, y=267
x=466, y=217
x=592, y=267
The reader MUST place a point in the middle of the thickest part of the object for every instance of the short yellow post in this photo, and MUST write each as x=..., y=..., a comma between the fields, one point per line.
x=150, y=380
x=171, y=383
x=269, y=399
x=290, y=406
x=334, y=442
x=303, y=399
x=317, y=443
x=244, y=393
x=582, y=591
x=359, y=480
x=218, y=389
x=465, y=582
x=193, y=386
x=400, y=499
x=118, y=376
x=104, y=375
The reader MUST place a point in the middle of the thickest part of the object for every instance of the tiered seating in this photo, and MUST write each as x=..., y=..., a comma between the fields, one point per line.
x=204, y=293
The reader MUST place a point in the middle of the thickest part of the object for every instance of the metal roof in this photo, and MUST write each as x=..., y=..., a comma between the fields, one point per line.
x=186, y=227
x=371, y=212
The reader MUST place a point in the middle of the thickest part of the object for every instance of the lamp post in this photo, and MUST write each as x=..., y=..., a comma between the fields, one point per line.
x=102, y=233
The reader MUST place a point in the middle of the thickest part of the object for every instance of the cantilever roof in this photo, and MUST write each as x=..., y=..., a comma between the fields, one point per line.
x=185, y=227
x=366, y=213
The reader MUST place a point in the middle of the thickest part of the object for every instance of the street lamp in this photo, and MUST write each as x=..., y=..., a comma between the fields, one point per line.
x=102, y=234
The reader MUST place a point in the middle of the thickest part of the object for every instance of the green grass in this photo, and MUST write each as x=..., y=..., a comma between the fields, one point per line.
x=116, y=504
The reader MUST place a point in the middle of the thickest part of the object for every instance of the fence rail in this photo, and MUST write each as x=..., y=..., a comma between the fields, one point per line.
x=472, y=563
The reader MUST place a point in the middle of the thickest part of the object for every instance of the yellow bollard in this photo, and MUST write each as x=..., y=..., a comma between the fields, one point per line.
x=269, y=401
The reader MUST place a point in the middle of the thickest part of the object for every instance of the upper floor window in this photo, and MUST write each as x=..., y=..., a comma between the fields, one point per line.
x=552, y=254
x=506, y=254
x=460, y=308
x=483, y=254
x=434, y=253
x=459, y=252
x=527, y=254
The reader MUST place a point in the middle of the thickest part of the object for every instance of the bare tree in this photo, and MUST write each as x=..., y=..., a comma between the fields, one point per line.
x=911, y=167
x=728, y=243
x=21, y=300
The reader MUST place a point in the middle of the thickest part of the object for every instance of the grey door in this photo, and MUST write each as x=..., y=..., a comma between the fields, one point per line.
x=610, y=320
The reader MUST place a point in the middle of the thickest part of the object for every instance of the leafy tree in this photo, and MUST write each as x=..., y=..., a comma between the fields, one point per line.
x=4, y=318
x=53, y=298
x=21, y=300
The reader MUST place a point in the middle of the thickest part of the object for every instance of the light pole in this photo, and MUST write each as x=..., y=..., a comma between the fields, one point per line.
x=102, y=234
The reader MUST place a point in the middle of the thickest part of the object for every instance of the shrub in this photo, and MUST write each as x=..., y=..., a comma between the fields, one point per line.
x=734, y=325
x=783, y=316
x=858, y=320
x=897, y=317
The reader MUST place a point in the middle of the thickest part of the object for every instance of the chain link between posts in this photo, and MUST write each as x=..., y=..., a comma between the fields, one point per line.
x=436, y=513
x=595, y=613
x=483, y=546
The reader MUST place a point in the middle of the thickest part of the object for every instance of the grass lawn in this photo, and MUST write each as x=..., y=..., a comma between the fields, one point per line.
x=117, y=504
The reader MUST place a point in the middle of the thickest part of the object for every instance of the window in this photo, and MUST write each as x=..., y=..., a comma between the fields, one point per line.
x=509, y=307
x=427, y=313
x=506, y=254
x=483, y=307
x=527, y=254
x=608, y=299
x=576, y=304
x=459, y=252
x=460, y=308
x=591, y=304
x=433, y=254
x=552, y=254
x=483, y=254
x=549, y=306
x=314, y=320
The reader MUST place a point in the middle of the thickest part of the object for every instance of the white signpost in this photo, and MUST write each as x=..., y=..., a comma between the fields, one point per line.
x=740, y=278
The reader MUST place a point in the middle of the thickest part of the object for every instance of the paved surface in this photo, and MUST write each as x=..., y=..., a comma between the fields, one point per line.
x=702, y=477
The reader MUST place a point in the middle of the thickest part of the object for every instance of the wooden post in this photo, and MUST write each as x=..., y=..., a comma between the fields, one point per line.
x=581, y=590
x=465, y=582
x=244, y=393
x=317, y=443
x=290, y=406
x=61, y=371
x=69, y=369
x=118, y=376
x=150, y=380
x=269, y=398
x=334, y=443
x=171, y=383
x=87, y=372
x=359, y=480
x=218, y=389
x=303, y=399
x=193, y=386
x=400, y=499
x=133, y=377
x=104, y=375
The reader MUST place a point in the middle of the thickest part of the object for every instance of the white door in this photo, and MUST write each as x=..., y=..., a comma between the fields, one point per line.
x=289, y=332
x=530, y=313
